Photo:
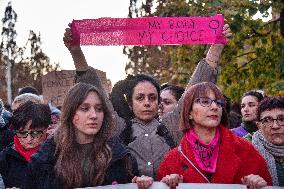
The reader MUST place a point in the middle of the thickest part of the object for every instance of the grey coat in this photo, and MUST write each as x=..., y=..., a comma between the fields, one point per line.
x=148, y=147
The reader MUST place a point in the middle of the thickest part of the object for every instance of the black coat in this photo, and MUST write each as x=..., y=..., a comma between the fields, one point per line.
x=42, y=174
x=13, y=167
x=6, y=137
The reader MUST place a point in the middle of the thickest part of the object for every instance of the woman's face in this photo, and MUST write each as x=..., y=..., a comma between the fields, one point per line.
x=205, y=112
x=88, y=118
x=145, y=101
x=31, y=138
x=272, y=126
x=249, y=108
x=168, y=102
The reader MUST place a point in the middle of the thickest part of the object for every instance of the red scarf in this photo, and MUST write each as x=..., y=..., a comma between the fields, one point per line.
x=206, y=155
x=25, y=153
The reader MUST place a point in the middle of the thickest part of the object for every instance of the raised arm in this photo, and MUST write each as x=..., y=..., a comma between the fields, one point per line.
x=84, y=73
x=87, y=74
x=206, y=71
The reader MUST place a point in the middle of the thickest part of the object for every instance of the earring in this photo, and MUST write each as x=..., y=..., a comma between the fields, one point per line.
x=190, y=117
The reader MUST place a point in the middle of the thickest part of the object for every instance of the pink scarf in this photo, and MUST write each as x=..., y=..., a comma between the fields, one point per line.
x=206, y=155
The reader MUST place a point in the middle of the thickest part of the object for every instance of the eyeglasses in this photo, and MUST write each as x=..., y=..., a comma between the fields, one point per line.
x=269, y=121
x=34, y=134
x=206, y=102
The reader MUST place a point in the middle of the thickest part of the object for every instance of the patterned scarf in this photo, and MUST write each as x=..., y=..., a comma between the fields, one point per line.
x=206, y=155
x=268, y=151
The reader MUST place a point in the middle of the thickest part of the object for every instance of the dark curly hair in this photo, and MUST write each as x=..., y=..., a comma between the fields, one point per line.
x=122, y=92
x=269, y=103
x=254, y=93
x=176, y=91
x=121, y=98
x=39, y=114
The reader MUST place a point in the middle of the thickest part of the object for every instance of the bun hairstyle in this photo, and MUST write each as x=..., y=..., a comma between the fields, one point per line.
x=256, y=93
x=122, y=92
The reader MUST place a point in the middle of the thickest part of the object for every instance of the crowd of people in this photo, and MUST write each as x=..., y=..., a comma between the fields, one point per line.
x=142, y=132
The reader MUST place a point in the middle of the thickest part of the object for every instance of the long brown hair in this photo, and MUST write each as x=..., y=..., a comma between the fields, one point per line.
x=194, y=92
x=68, y=160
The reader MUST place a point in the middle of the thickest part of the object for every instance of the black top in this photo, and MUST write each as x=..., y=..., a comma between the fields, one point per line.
x=6, y=137
x=42, y=175
x=13, y=167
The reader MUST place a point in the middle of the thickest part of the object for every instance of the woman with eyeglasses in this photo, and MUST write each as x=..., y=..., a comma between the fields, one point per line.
x=209, y=152
x=30, y=122
x=269, y=139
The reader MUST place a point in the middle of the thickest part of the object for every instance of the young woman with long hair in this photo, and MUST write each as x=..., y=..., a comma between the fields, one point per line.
x=82, y=152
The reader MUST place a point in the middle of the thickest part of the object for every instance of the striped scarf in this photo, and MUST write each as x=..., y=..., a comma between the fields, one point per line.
x=268, y=151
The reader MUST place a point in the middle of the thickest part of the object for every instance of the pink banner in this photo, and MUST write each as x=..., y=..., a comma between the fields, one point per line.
x=149, y=31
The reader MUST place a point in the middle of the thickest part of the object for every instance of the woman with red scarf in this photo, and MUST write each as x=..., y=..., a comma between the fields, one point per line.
x=209, y=152
x=30, y=122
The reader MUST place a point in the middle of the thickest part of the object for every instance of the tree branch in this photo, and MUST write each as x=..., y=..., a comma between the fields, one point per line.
x=245, y=64
x=271, y=21
x=252, y=52
x=258, y=34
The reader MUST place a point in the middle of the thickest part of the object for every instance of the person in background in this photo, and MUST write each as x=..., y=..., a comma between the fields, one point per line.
x=30, y=93
x=235, y=119
x=235, y=116
x=269, y=139
x=6, y=135
x=170, y=96
x=30, y=122
x=55, y=119
x=249, y=104
x=21, y=99
x=209, y=152
x=82, y=153
x=28, y=89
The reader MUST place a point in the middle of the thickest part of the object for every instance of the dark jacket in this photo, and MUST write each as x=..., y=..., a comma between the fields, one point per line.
x=6, y=137
x=13, y=167
x=42, y=174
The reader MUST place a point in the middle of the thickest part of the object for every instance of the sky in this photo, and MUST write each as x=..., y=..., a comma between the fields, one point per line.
x=51, y=17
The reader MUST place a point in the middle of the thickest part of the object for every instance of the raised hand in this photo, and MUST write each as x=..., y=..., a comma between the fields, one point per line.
x=75, y=50
x=214, y=53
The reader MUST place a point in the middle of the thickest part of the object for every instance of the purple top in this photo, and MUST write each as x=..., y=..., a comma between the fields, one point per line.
x=240, y=131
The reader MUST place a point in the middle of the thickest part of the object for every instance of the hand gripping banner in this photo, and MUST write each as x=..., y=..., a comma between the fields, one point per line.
x=149, y=31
